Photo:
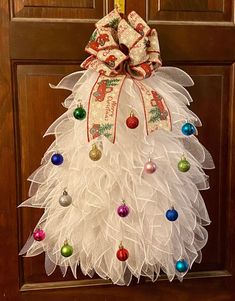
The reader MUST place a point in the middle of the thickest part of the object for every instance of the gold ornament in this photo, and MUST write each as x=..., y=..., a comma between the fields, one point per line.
x=95, y=154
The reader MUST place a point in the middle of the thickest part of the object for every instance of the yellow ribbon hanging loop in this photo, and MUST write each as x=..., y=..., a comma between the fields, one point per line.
x=120, y=6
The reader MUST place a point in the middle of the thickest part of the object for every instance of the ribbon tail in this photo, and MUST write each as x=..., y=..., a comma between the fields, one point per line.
x=157, y=115
x=103, y=107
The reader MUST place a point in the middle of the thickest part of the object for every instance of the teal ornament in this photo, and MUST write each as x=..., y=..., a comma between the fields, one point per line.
x=188, y=129
x=181, y=266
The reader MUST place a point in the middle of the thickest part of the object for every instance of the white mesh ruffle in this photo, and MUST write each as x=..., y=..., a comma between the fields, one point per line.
x=91, y=224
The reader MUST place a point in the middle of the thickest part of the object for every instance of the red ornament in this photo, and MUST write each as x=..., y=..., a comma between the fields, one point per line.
x=132, y=121
x=122, y=254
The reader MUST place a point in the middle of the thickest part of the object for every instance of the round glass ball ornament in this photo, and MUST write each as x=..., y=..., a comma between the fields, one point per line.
x=183, y=165
x=66, y=250
x=181, y=266
x=39, y=234
x=95, y=154
x=122, y=253
x=150, y=167
x=172, y=214
x=79, y=113
x=123, y=210
x=188, y=129
x=132, y=121
x=57, y=159
x=65, y=200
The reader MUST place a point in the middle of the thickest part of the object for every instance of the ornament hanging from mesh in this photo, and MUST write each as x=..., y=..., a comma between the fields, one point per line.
x=39, y=234
x=122, y=253
x=188, y=129
x=183, y=165
x=79, y=113
x=66, y=250
x=65, y=199
x=181, y=266
x=95, y=154
x=57, y=159
x=123, y=210
x=132, y=121
x=150, y=166
x=172, y=214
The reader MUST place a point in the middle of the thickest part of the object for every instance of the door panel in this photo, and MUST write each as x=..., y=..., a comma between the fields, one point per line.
x=42, y=41
x=69, y=9
x=211, y=104
x=190, y=10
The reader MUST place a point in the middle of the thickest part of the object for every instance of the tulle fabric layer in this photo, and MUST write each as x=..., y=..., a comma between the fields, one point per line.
x=91, y=224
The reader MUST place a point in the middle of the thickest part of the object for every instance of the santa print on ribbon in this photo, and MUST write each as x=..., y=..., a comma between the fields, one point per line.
x=118, y=49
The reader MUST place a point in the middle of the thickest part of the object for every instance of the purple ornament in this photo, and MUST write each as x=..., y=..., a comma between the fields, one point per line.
x=123, y=210
x=150, y=167
x=39, y=234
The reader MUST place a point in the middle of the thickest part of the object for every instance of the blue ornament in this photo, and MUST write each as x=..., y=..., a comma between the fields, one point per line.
x=188, y=129
x=172, y=215
x=181, y=266
x=57, y=159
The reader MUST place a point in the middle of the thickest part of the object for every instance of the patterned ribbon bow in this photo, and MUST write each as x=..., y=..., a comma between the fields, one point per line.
x=121, y=49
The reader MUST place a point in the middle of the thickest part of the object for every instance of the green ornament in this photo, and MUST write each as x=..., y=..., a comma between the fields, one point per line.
x=79, y=113
x=66, y=250
x=183, y=165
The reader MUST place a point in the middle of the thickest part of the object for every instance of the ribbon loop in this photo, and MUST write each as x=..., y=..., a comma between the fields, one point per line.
x=138, y=53
x=138, y=24
x=127, y=34
x=111, y=57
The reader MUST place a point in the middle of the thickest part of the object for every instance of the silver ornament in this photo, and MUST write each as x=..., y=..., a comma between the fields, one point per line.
x=65, y=200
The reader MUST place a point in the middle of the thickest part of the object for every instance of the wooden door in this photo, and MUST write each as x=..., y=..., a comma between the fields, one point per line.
x=40, y=42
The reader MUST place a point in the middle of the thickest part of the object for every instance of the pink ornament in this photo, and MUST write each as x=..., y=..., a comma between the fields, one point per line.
x=150, y=167
x=39, y=234
x=123, y=210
